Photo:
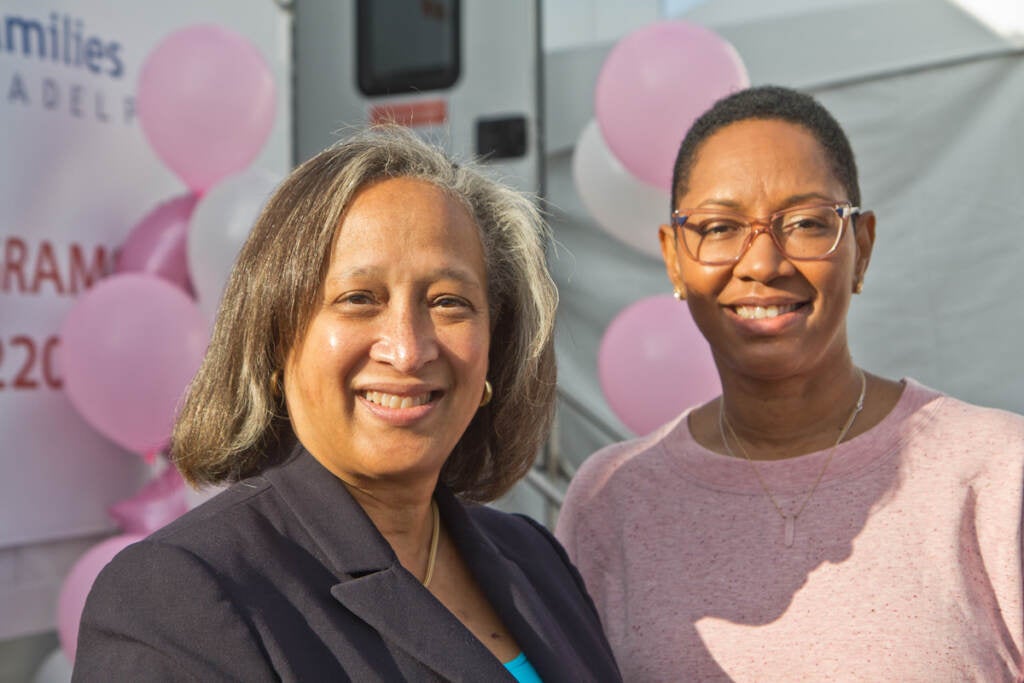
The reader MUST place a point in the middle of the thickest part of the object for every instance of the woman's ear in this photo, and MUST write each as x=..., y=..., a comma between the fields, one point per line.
x=864, y=234
x=669, y=253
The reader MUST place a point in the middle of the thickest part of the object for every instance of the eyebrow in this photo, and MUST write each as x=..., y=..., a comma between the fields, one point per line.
x=444, y=273
x=792, y=200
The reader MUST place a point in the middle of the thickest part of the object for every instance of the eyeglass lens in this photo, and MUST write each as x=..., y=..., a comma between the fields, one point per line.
x=721, y=237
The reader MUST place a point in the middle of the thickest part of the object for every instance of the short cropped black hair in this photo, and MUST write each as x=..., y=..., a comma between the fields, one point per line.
x=769, y=102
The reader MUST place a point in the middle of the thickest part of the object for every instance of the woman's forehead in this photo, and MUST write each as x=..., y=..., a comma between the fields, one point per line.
x=769, y=157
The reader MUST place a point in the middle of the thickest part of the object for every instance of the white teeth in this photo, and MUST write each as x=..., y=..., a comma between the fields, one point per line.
x=759, y=312
x=393, y=401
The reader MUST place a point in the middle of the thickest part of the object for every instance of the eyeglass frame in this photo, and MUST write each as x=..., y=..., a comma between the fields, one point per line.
x=845, y=210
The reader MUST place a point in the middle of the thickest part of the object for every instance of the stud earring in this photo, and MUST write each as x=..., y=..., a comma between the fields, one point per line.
x=858, y=287
x=488, y=394
x=677, y=294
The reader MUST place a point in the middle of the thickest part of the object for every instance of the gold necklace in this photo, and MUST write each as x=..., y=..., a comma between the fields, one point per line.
x=434, y=535
x=790, y=519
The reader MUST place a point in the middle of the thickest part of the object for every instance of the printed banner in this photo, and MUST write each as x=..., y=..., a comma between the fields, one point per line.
x=76, y=174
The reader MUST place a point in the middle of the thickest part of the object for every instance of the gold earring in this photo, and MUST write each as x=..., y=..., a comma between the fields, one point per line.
x=275, y=383
x=488, y=394
x=858, y=287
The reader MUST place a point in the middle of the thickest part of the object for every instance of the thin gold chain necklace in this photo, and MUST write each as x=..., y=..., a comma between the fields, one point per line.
x=434, y=535
x=790, y=519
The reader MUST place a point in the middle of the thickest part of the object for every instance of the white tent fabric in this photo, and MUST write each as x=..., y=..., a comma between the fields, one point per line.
x=933, y=102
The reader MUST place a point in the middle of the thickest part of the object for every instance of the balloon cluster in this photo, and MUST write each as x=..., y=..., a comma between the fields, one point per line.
x=652, y=86
x=655, y=82
x=131, y=344
x=160, y=501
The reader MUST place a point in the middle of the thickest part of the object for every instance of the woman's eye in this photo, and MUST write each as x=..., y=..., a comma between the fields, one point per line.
x=718, y=228
x=453, y=306
x=806, y=223
x=356, y=298
x=450, y=302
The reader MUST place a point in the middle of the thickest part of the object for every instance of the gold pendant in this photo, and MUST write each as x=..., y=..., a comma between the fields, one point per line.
x=790, y=530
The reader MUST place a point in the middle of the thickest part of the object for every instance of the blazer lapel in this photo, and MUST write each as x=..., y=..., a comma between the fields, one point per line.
x=404, y=613
x=372, y=584
x=511, y=593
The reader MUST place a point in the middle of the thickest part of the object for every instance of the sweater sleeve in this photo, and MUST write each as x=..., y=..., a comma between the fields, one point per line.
x=158, y=613
x=575, y=526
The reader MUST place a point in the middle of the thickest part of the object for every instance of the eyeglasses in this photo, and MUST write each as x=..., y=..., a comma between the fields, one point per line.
x=802, y=233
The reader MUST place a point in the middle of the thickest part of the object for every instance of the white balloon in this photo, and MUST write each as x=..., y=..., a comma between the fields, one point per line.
x=55, y=669
x=626, y=208
x=219, y=226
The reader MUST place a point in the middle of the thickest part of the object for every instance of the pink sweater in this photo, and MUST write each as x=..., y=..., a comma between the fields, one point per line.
x=906, y=564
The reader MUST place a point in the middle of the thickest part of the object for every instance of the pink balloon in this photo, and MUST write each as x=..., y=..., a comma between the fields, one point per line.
x=77, y=584
x=157, y=244
x=161, y=501
x=653, y=363
x=129, y=347
x=206, y=101
x=653, y=85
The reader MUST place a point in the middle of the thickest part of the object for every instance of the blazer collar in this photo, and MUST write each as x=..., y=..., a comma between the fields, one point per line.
x=510, y=591
x=373, y=585
x=337, y=524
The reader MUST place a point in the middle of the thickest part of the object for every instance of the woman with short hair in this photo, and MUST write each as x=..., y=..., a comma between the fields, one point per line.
x=815, y=522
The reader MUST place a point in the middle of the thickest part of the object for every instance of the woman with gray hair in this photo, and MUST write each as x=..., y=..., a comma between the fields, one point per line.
x=382, y=362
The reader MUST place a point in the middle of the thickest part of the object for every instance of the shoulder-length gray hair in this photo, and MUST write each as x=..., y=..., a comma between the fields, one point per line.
x=234, y=416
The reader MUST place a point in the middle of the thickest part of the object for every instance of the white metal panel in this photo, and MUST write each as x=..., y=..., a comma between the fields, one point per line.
x=499, y=77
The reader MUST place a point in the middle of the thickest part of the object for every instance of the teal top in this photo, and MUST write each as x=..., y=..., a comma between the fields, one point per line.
x=523, y=671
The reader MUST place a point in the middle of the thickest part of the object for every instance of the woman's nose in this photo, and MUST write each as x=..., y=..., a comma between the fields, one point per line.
x=406, y=339
x=763, y=260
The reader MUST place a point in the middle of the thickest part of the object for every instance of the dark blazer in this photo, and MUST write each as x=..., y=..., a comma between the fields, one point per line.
x=284, y=577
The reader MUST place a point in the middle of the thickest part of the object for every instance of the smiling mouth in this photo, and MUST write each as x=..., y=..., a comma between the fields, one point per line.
x=394, y=401
x=761, y=312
